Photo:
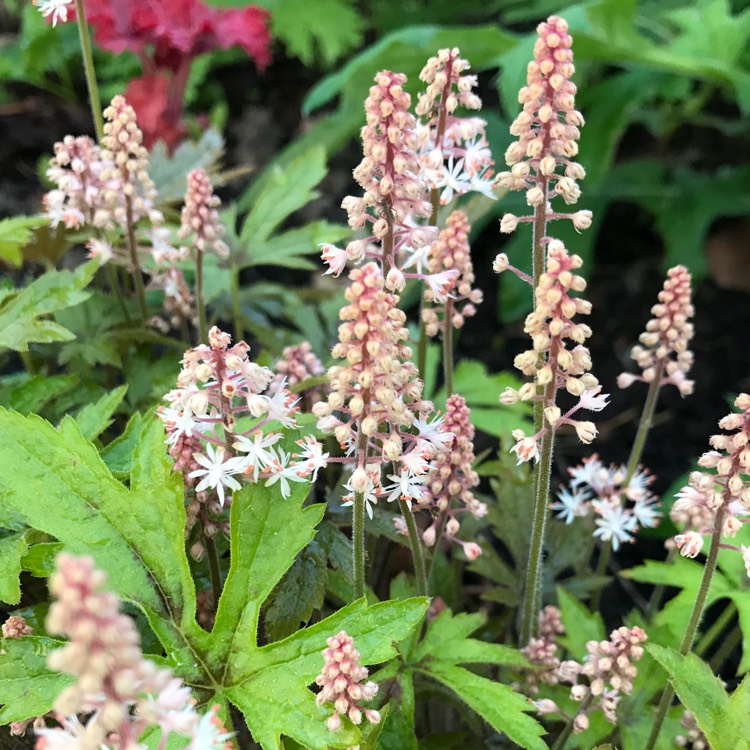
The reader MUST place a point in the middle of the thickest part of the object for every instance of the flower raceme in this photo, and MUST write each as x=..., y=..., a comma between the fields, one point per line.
x=217, y=385
x=549, y=362
x=451, y=252
x=663, y=347
x=723, y=487
x=541, y=160
x=122, y=693
x=341, y=683
x=376, y=395
x=200, y=217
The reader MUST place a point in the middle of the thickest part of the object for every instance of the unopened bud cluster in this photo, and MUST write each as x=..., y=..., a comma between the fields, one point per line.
x=549, y=362
x=77, y=169
x=376, y=394
x=298, y=364
x=724, y=486
x=451, y=251
x=542, y=652
x=542, y=159
x=200, y=217
x=452, y=478
x=123, y=693
x=122, y=145
x=342, y=683
x=663, y=347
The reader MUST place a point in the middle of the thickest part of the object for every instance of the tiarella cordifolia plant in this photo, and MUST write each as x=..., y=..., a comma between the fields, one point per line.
x=121, y=693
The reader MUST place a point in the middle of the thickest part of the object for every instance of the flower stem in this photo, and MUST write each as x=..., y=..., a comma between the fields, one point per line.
x=562, y=738
x=88, y=67
x=213, y=564
x=358, y=544
x=533, y=592
x=647, y=416
x=236, y=309
x=133, y=248
x=448, y=349
x=199, y=300
x=420, y=571
x=114, y=285
x=692, y=628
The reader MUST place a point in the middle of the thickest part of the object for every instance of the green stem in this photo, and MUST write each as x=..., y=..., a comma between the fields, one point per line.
x=729, y=644
x=114, y=285
x=27, y=362
x=358, y=544
x=562, y=738
x=695, y=618
x=88, y=67
x=417, y=553
x=199, y=301
x=236, y=310
x=213, y=564
x=448, y=349
x=716, y=629
x=133, y=248
x=647, y=416
x=601, y=570
x=533, y=592
x=422, y=346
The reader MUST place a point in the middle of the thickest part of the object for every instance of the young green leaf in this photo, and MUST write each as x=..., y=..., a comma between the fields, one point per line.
x=12, y=549
x=21, y=314
x=27, y=686
x=93, y=419
x=499, y=705
x=16, y=232
x=581, y=626
x=32, y=394
x=118, y=455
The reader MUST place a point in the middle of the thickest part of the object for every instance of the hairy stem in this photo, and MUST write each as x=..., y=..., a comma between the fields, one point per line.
x=133, y=248
x=199, y=300
x=533, y=591
x=236, y=309
x=114, y=285
x=417, y=553
x=358, y=544
x=568, y=728
x=88, y=67
x=448, y=349
x=692, y=628
x=647, y=416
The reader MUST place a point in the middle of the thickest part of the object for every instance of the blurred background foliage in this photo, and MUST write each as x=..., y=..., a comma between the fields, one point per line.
x=664, y=86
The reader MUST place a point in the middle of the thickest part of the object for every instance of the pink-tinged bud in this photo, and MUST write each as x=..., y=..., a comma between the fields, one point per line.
x=472, y=550
x=359, y=479
x=16, y=627
x=626, y=379
x=395, y=280
x=546, y=706
x=582, y=220
x=586, y=431
x=580, y=723
x=746, y=558
x=428, y=536
x=500, y=263
x=452, y=527
x=690, y=543
x=508, y=224
x=732, y=525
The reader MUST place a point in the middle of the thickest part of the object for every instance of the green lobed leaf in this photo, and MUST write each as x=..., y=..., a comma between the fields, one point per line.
x=499, y=705
x=39, y=559
x=118, y=455
x=285, y=191
x=701, y=692
x=16, y=232
x=27, y=686
x=581, y=626
x=21, y=321
x=12, y=549
x=34, y=393
x=136, y=536
x=273, y=694
x=93, y=419
x=325, y=29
